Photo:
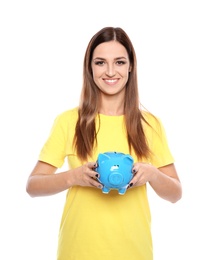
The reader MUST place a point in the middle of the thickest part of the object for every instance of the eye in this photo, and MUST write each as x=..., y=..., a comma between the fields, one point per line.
x=121, y=62
x=99, y=63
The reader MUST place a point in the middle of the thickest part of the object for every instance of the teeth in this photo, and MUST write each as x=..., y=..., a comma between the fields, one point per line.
x=111, y=80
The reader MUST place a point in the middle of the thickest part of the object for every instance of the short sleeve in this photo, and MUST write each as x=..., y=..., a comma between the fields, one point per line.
x=54, y=149
x=160, y=152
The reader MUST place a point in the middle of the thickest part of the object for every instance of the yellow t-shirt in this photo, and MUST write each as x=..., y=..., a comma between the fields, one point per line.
x=98, y=226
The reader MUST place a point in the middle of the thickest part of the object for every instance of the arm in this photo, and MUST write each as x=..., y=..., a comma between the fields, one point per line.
x=44, y=180
x=163, y=180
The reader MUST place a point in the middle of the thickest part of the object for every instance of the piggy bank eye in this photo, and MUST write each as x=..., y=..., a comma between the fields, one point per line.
x=114, y=167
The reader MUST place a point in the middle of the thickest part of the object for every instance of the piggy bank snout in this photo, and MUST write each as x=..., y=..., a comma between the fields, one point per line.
x=116, y=178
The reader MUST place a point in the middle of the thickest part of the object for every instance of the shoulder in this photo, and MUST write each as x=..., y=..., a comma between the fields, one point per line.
x=153, y=126
x=151, y=119
x=68, y=115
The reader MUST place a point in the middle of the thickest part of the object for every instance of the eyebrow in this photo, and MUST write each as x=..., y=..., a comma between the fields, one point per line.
x=118, y=58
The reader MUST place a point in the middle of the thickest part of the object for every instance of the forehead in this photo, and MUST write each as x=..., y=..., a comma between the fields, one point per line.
x=112, y=49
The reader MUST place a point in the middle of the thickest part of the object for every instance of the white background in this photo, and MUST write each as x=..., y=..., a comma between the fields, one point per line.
x=42, y=45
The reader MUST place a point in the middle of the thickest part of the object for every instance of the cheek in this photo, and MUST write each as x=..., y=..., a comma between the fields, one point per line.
x=97, y=73
x=94, y=74
x=94, y=77
x=124, y=70
x=126, y=74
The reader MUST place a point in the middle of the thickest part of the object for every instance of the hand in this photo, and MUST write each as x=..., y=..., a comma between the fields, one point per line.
x=143, y=172
x=86, y=176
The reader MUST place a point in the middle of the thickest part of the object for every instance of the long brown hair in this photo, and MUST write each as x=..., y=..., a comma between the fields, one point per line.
x=85, y=133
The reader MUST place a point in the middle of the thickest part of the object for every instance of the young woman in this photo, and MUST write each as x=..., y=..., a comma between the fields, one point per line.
x=109, y=117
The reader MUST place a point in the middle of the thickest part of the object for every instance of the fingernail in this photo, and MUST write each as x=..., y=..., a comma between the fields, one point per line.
x=96, y=175
x=130, y=185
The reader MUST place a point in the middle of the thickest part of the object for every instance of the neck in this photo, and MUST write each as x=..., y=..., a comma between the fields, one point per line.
x=112, y=109
x=112, y=106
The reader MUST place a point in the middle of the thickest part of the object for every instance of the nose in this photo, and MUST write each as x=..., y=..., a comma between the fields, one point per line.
x=110, y=70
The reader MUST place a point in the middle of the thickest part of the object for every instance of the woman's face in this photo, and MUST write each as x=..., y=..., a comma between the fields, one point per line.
x=110, y=66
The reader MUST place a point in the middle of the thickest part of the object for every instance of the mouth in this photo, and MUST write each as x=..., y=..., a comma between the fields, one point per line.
x=111, y=81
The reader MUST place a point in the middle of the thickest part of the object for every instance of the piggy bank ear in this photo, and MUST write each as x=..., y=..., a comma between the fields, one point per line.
x=128, y=159
x=102, y=157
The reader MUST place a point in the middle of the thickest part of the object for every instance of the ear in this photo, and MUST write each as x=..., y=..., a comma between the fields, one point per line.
x=102, y=158
x=130, y=69
x=128, y=159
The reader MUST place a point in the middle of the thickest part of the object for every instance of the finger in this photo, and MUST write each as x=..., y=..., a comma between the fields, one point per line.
x=130, y=185
x=91, y=174
x=94, y=174
x=134, y=170
x=135, y=178
x=96, y=184
x=92, y=165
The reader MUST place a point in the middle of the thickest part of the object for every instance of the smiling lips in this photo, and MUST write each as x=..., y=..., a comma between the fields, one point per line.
x=111, y=81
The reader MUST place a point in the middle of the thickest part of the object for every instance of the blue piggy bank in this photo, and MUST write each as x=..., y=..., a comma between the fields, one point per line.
x=115, y=171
